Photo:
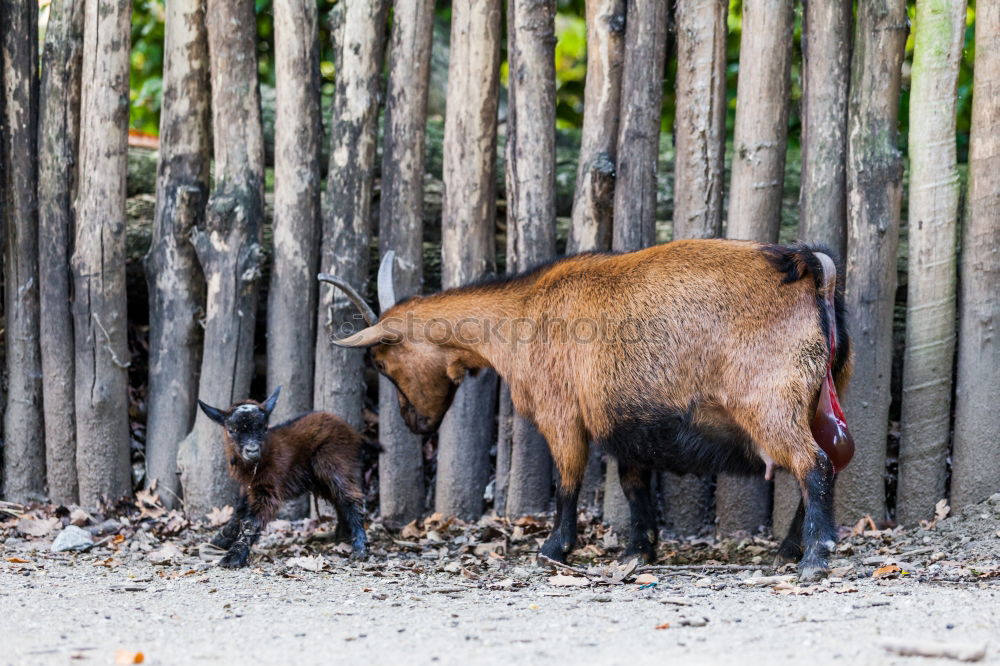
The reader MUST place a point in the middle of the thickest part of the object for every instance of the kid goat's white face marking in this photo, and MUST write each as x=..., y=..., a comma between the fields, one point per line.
x=246, y=409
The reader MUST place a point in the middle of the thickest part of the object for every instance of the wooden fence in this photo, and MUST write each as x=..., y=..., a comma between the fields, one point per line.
x=69, y=375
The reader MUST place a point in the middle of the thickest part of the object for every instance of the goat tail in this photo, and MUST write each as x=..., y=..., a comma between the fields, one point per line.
x=798, y=261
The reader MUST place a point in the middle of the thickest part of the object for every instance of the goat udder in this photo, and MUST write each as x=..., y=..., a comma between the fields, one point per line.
x=829, y=428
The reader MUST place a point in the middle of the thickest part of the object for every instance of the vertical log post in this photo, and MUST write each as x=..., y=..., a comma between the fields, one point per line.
x=176, y=283
x=639, y=150
x=874, y=192
x=99, y=310
x=228, y=247
x=531, y=212
x=24, y=433
x=700, y=140
x=468, y=221
x=401, y=214
x=346, y=233
x=826, y=66
x=594, y=196
x=933, y=222
x=976, y=457
x=744, y=504
x=58, y=139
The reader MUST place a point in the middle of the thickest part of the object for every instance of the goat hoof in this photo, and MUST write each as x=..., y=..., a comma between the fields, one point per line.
x=812, y=574
x=552, y=550
x=645, y=555
x=359, y=554
x=233, y=560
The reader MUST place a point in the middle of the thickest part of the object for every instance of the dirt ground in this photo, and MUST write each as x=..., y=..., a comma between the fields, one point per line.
x=443, y=592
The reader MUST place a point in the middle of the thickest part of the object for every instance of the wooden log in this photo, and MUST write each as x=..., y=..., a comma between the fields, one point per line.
x=468, y=243
x=99, y=310
x=176, y=283
x=975, y=457
x=874, y=189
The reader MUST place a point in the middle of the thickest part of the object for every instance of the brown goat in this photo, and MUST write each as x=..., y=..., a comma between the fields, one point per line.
x=314, y=452
x=697, y=356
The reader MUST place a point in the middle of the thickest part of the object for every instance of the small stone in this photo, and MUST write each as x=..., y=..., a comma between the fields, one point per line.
x=72, y=538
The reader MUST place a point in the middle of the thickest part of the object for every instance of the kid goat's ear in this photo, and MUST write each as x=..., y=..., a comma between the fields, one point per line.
x=271, y=402
x=216, y=415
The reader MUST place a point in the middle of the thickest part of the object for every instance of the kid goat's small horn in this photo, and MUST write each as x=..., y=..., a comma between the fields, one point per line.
x=386, y=290
x=353, y=295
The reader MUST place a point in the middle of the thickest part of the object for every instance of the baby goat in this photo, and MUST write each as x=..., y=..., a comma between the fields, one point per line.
x=315, y=451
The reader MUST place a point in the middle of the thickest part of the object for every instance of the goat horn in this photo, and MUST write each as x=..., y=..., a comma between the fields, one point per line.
x=353, y=295
x=365, y=338
x=386, y=291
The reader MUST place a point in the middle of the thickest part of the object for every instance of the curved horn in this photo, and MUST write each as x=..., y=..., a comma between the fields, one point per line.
x=386, y=291
x=353, y=295
x=365, y=337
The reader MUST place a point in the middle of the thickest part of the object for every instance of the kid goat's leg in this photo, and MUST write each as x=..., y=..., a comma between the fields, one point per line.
x=260, y=511
x=231, y=530
x=570, y=452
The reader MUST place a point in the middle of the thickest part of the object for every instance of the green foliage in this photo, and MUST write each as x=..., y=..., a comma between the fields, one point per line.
x=146, y=76
x=570, y=62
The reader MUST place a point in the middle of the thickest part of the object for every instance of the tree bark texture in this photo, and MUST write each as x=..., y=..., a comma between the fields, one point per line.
x=700, y=125
x=874, y=190
x=228, y=247
x=593, y=199
x=639, y=128
x=826, y=56
x=99, y=309
x=401, y=221
x=58, y=143
x=291, y=307
x=530, y=208
x=346, y=233
x=468, y=223
x=176, y=283
x=975, y=456
x=933, y=222
x=24, y=432
x=761, y=120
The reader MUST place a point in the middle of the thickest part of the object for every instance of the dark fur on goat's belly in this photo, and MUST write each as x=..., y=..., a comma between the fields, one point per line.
x=676, y=440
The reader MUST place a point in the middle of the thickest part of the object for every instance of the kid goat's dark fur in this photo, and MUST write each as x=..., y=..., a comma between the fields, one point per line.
x=314, y=452
x=697, y=356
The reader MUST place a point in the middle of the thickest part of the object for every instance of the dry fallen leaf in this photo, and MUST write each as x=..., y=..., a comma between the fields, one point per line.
x=560, y=580
x=665, y=625
x=167, y=554
x=886, y=571
x=148, y=501
x=37, y=527
x=218, y=517
x=128, y=657
x=314, y=563
x=646, y=579
x=941, y=510
x=17, y=560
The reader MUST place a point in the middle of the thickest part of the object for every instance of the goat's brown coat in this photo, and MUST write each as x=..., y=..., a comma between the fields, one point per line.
x=759, y=371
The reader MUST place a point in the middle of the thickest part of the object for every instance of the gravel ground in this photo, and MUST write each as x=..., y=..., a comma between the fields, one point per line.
x=451, y=594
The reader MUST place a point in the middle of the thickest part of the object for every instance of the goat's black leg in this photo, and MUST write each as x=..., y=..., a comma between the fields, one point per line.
x=349, y=511
x=636, y=483
x=570, y=451
x=562, y=541
x=819, y=531
x=791, y=548
x=259, y=512
x=342, y=533
x=230, y=532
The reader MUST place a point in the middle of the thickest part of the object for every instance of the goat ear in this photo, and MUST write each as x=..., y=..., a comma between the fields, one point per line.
x=271, y=401
x=216, y=415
